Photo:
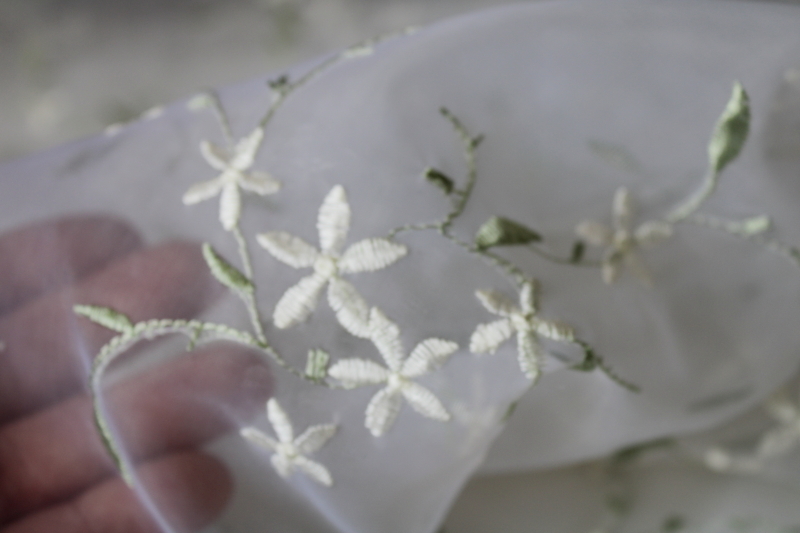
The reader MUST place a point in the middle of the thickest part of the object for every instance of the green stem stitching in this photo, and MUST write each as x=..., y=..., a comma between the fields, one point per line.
x=121, y=343
x=222, y=117
x=561, y=260
x=470, y=145
x=594, y=361
x=693, y=202
x=198, y=333
x=285, y=88
x=249, y=298
x=516, y=276
x=774, y=246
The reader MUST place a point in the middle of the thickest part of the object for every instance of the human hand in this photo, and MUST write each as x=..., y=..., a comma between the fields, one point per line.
x=55, y=473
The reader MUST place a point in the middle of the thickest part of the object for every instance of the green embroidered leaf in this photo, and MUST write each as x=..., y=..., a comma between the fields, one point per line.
x=439, y=179
x=578, y=249
x=632, y=453
x=317, y=364
x=279, y=84
x=225, y=272
x=510, y=411
x=199, y=102
x=755, y=225
x=105, y=316
x=589, y=363
x=499, y=231
x=731, y=130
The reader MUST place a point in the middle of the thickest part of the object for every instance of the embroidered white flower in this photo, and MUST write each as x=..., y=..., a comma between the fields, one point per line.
x=786, y=436
x=621, y=241
x=398, y=375
x=329, y=263
x=289, y=453
x=234, y=167
x=523, y=321
x=776, y=442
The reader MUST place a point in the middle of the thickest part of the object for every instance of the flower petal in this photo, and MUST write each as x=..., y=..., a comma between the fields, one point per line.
x=314, y=438
x=370, y=255
x=333, y=221
x=595, y=233
x=488, y=337
x=429, y=355
x=259, y=438
x=350, y=308
x=382, y=411
x=280, y=421
x=529, y=355
x=497, y=303
x=424, y=401
x=245, y=151
x=230, y=205
x=555, y=331
x=202, y=191
x=527, y=297
x=288, y=249
x=778, y=442
x=386, y=336
x=622, y=209
x=215, y=155
x=259, y=183
x=780, y=407
x=610, y=269
x=314, y=470
x=720, y=460
x=358, y=372
x=282, y=464
x=652, y=232
x=298, y=302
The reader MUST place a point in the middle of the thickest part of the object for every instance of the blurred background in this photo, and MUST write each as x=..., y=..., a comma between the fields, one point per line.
x=72, y=67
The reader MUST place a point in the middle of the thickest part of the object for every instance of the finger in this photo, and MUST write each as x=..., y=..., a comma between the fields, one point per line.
x=189, y=488
x=48, y=349
x=49, y=255
x=57, y=453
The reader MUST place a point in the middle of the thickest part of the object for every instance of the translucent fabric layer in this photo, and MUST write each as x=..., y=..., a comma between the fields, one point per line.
x=486, y=227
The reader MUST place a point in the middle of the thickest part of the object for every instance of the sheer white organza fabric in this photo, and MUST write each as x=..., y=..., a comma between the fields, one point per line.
x=566, y=95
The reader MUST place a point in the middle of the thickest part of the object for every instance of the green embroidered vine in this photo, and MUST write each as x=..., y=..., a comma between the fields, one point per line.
x=330, y=262
x=499, y=231
x=239, y=283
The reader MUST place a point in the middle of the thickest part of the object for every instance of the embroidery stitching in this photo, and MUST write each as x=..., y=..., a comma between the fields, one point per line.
x=368, y=255
x=398, y=375
x=622, y=242
x=235, y=174
x=779, y=441
x=289, y=453
x=522, y=320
